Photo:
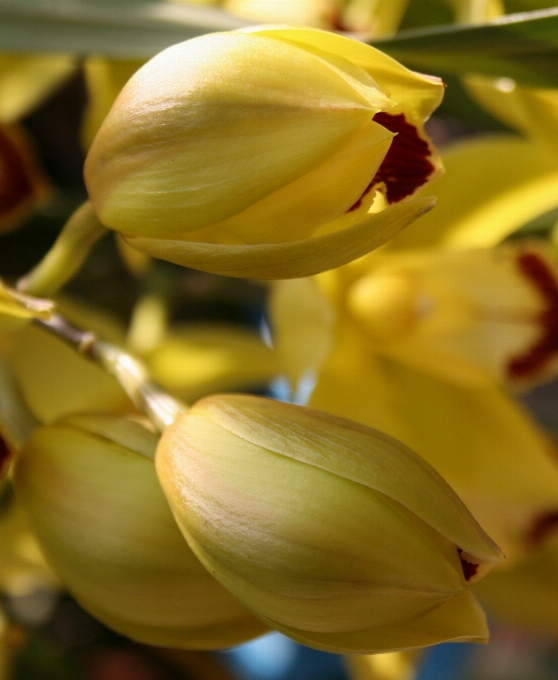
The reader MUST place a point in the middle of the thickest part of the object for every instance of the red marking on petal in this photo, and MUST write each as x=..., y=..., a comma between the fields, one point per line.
x=4, y=458
x=543, y=278
x=469, y=569
x=543, y=526
x=406, y=166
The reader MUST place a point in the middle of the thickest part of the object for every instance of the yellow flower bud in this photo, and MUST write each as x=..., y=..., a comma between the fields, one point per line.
x=89, y=487
x=265, y=152
x=335, y=534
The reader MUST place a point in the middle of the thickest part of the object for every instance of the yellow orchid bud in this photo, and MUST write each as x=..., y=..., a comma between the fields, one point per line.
x=335, y=534
x=265, y=152
x=472, y=317
x=89, y=487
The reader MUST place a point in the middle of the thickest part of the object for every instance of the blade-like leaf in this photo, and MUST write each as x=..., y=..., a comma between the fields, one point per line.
x=519, y=46
x=127, y=28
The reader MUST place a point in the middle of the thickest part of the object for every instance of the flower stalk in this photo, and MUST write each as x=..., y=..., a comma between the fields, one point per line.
x=80, y=233
x=130, y=372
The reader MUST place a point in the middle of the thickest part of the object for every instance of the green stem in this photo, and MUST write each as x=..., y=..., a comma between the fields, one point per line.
x=132, y=375
x=64, y=259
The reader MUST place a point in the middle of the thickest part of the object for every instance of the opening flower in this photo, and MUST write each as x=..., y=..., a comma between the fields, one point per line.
x=266, y=152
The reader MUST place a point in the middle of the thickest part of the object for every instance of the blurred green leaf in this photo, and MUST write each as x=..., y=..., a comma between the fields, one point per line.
x=519, y=46
x=126, y=28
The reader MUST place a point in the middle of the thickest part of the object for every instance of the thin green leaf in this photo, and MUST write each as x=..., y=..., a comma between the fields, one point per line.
x=126, y=29
x=519, y=46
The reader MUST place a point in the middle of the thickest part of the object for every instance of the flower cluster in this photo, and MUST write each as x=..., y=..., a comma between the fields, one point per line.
x=347, y=466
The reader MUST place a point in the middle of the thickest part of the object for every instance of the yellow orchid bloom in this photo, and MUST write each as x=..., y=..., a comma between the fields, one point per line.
x=209, y=183
x=472, y=317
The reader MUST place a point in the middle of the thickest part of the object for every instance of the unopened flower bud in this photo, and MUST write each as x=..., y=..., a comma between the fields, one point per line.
x=89, y=487
x=265, y=152
x=335, y=534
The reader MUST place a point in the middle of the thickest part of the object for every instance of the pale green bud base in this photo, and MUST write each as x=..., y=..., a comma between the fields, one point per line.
x=80, y=233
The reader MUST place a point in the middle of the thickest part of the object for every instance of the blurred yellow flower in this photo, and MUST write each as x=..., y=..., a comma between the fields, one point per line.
x=89, y=487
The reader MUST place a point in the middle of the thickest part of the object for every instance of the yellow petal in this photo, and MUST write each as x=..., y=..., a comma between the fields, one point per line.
x=107, y=530
x=493, y=186
x=289, y=260
x=206, y=358
x=461, y=619
x=479, y=440
x=415, y=94
x=302, y=326
x=104, y=79
x=155, y=172
x=26, y=80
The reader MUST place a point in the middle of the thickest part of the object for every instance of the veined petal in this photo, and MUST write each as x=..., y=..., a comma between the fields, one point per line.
x=460, y=619
x=415, y=94
x=385, y=468
x=156, y=173
x=289, y=260
x=317, y=198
